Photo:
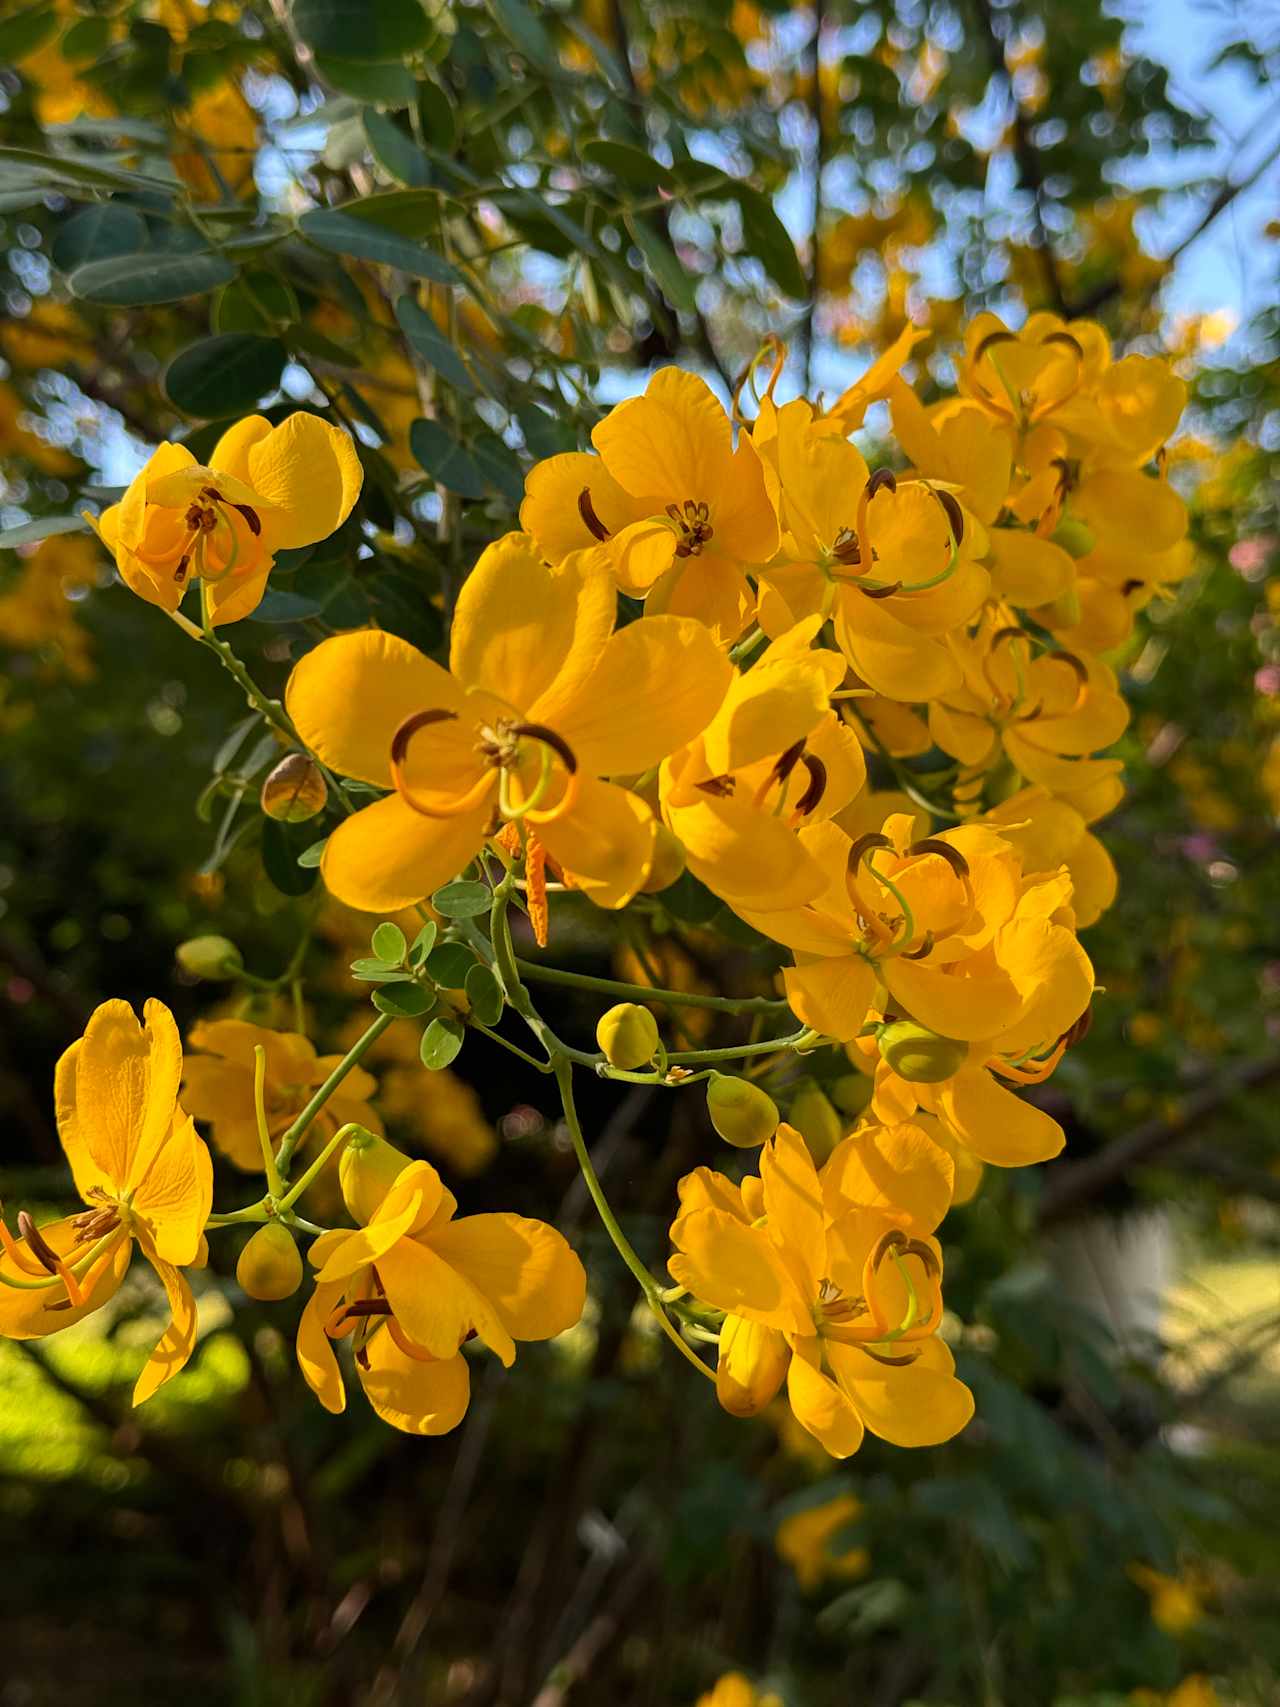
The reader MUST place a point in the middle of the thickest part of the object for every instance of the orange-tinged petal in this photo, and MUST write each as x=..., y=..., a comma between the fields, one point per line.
x=116, y=1092
x=519, y=623
x=25, y=1314
x=388, y=856
x=436, y=1305
x=605, y=841
x=997, y=1126
x=178, y=1341
x=752, y=1366
x=350, y=695
x=820, y=1405
x=737, y=1269
x=656, y=684
x=175, y=1195
x=832, y=996
x=308, y=469
x=898, y=1170
x=314, y=1348
x=918, y=1404
x=524, y=1268
x=417, y=1397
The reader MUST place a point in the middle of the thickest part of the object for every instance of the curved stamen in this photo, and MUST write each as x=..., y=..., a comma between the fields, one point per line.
x=400, y=744
x=590, y=520
x=812, y=796
x=944, y=850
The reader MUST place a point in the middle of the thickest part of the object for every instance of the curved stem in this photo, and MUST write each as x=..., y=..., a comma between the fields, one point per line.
x=644, y=992
x=358, y=1050
x=296, y=1190
x=275, y=1185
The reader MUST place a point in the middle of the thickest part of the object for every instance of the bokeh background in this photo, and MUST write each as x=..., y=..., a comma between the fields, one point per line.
x=627, y=185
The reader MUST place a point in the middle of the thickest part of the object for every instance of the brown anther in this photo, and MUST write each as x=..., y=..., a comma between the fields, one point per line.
x=809, y=800
x=411, y=726
x=944, y=850
x=881, y=592
x=590, y=520
x=251, y=516
x=892, y=1362
x=882, y=479
x=927, y=1258
x=559, y=746
x=1065, y=338
x=991, y=339
x=721, y=786
x=37, y=1244
x=1073, y=663
x=1130, y=586
x=787, y=762
x=846, y=548
x=362, y=1356
x=184, y=563
x=955, y=515
x=865, y=845
x=924, y=951
x=694, y=523
x=1011, y=632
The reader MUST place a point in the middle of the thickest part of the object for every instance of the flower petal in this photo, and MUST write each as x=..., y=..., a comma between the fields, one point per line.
x=314, y=1348
x=388, y=856
x=25, y=1314
x=898, y=1170
x=116, y=1092
x=307, y=468
x=793, y=1205
x=178, y=1341
x=605, y=842
x=820, y=1405
x=752, y=1365
x=735, y=1268
x=998, y=1126
x=416, y=1397
x=917, y=1404
x=832, y=996
x=524, y=1268
x=175, y=1195
x=436, y=1305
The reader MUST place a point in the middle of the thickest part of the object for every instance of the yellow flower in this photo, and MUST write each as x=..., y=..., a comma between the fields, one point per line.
x=774, y=757
x=830, y=1285
x=144, y=1174
x=735, y=1690
x=1193, y=1691
x=414, y=1285
x=221, y=135
x=683, y=512
x=1029, y=376
x=217, y=1086
x=266, y=489
x=541, y=700
x=807, y=1541
x=1177, y=1603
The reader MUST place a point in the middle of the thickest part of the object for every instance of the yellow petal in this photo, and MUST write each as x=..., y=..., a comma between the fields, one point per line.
x=710, y=588
x=898, y=1170
x=605, y=841
x=656, y=684
x=178, y=1341
x=519, y=623
x=1129, y=511
x=964, y=1007
x=117, y=1092
x=175, y=1195
x=552, y=511
x=1027, y=570
x=436, y=1305
x=388, y=856
x=735, y=1268
x=236, y=596
x=419, y=1398
x=919, y=1404
x=352, y=693
x=25, y=1314
x=766, y=711
x=674, y=442
x=997, y=1126
x=793, y=1205
x=524, y=1268
x=820, y=1405
x=752, y=1366
x=314, y=1348
x=307, y=468
x=748, y=857
x=832, y=996
x=896, y=660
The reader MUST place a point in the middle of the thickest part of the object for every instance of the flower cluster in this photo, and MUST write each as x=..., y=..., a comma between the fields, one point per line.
x=864, y=707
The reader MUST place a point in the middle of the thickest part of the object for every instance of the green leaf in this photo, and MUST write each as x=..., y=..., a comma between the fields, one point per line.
x=665, y=265
x=405, y=1001
x=449, y=964
x=130, y=281
x=26, y=31
x=445, y=460
x=310, y=857
x=766, y=237
x=233, y=742
x=224, y=375
x=430, y=343
x=441, y=1042
x=500, y=466
x=279, y=605
x=523, y=29
x=281, y=845
x=96, y=234
x=362, y=29
x=423, y=943
x=484, y=994
x=343, y=232
x=462, y=900
x=44, y=527
x=389, y=943
x=405, y=161
x=255, y=302
x=386, y=85
x=29, y=168
x=629, y=165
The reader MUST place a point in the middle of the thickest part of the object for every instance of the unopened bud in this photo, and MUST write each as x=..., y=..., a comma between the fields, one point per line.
x=367, y=1170
x=919, y=1055
x=211, y=957
x=627, y=1036
x=668, y=861
x=270, y=1267
x=295, y=790
x=851, y=1092
x=1074, y=537
x=814, y=1117
x=741, y=1112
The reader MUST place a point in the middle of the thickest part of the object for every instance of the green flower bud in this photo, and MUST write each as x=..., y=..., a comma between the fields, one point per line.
x=294, y=790
x=741, y=1112
x=814, y=1117
x=1074, y=537
x=211, y=957
x=919, y=1055
x=851, y=1092
x=627, y=1036
x=367, y=1169
x=668, y=861
x=270, y=1267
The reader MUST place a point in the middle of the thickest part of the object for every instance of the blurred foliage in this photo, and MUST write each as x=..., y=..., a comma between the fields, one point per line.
x=540, y=203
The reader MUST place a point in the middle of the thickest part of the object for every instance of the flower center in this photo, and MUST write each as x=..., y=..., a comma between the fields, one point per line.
x=502, y=747
x=693, y=527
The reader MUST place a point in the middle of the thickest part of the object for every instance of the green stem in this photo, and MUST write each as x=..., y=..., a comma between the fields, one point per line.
x=275, y=1185
x=737, y=1051
x=358, y=1050
x=652, y=1291
x=295, y=1191
x=515, y=1049
x=644, y=992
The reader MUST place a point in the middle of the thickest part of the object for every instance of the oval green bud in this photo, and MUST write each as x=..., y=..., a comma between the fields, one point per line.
x=851, y=1092
x=814, y=1117
x=270, y=1267
x=668, y=861
x=1074, y=537
x=627, y=1036
x=919, y=1055
x=211, y=957
x=741, y=1112
x=367, y=1169
x=294, y=790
